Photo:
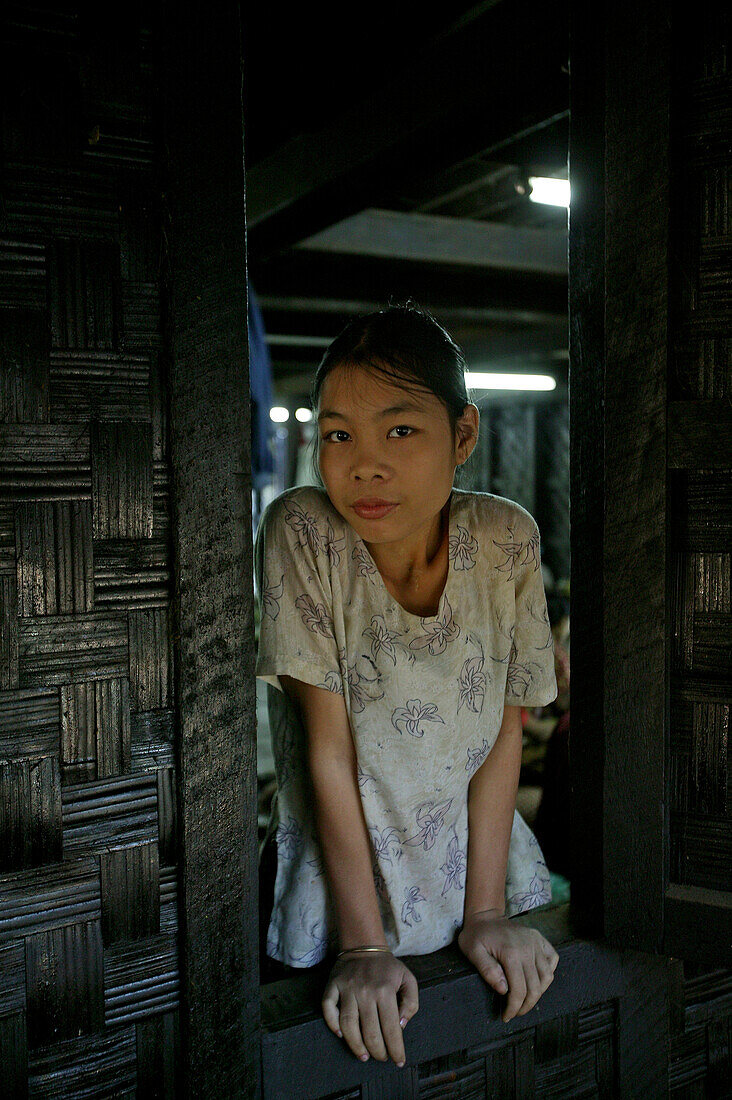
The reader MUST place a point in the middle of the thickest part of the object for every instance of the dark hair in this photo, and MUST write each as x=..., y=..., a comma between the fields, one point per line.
x=403, y=344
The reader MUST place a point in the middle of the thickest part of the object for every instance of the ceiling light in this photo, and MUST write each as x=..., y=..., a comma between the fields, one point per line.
x=552, y=192
x=481, y=380
x=279, y=414
x=303, y=415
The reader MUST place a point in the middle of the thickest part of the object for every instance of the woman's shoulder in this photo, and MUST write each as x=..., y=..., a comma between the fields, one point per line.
x=489, y=513
x=307, y=500
x=303, y=519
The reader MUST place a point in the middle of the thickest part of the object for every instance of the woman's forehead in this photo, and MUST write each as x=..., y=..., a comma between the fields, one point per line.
x=348, y=387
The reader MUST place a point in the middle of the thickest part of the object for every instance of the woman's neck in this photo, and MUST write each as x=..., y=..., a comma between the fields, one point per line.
x=418, y=564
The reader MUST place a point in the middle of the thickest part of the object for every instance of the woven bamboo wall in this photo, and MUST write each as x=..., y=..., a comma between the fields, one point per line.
x=88, y=916
x=700, y=459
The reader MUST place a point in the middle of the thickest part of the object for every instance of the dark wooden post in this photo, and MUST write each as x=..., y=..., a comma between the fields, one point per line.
x=638, y=63
x=649, y=378
x=586, y=391
x=213, y=569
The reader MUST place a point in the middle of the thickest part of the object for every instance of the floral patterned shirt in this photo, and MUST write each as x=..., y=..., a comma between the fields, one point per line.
x=424, y=696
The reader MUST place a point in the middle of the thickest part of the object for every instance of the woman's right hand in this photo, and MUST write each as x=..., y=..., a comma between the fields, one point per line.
x=368, y=1001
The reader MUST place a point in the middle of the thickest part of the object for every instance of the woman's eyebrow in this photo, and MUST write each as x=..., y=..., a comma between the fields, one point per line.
x=333, y=414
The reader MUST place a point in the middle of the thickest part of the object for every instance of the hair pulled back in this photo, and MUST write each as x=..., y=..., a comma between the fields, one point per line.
x=405, y=345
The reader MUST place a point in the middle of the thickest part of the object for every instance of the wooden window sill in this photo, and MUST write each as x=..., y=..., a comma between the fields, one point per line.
x=458, y=1012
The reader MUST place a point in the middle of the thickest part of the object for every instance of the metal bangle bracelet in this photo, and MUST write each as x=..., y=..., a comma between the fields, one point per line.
x=359, y=950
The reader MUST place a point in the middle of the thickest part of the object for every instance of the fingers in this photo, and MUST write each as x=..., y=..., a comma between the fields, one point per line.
x=391, y=1029
x=408, y=998
x=516, y=988
x=533, y=988
x=538, y=974
x=490, y=969
x=370, y=1016
x=552, y=957
x=371, y=1029
x=350, y=1026
x=329, y=1005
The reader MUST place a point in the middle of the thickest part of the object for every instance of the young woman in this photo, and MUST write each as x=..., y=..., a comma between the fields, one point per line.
x=403, y=627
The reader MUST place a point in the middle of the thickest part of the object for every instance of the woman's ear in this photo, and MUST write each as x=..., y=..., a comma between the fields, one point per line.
x=467, y=427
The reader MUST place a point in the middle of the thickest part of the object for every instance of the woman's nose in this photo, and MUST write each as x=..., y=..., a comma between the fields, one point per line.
x=366, y=463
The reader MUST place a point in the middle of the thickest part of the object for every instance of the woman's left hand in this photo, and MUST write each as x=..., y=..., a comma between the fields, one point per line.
x=509, y=956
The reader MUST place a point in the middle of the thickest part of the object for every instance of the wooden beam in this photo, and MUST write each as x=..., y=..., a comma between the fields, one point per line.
x=214, y=629
x=433, y=238
x=501, y=75
x=295, y=307
x=332, y=276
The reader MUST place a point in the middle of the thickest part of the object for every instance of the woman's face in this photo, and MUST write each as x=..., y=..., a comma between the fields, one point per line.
x=377, y=442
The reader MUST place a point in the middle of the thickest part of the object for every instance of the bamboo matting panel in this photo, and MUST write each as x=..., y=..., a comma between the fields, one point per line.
x=573, y=1055
x=700, y=458
x=700, y=1048
x=89, y=970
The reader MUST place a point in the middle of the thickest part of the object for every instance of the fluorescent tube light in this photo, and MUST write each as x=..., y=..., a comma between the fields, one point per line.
x=552, y=192
x=482, y=380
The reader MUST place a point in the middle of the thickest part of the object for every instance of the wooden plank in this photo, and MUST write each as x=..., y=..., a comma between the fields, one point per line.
x=539, y=300
x=320, y=314
x=23, y=364
x=54, y=557
x=434, y=238
x=643, y=1024
x=14, y=1054
x=699, y=920
x=30, y=812
x=65, y=984
x=122, y=489
x=586, y=415
x=44, y=462
x=141, y=977
x=61, y=894
x=212, y=542
x=637, y=66
x=104, y=1063
x=158, y=1051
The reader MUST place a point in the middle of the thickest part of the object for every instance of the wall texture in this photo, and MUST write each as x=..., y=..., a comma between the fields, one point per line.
x=89, y=968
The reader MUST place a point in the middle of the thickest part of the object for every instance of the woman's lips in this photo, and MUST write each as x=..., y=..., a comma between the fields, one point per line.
x=373, y=510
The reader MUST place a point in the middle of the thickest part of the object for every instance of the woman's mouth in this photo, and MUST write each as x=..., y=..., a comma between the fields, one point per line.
x=373, y=508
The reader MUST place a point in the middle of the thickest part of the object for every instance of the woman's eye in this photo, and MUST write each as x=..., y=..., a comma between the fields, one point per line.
x=336, y=431
x=402, y=428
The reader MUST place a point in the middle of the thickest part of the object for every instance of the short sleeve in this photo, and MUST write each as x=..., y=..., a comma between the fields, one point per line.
x=296, y=628
x=531, y=678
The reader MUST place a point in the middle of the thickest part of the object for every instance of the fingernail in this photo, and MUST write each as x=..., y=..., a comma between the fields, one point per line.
x=339, y=1034
x=501, y=984
x=400, y=1065
x=403, y=1022
x=364, y=1057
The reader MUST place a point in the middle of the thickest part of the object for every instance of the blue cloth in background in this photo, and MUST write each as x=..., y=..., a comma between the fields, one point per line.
x=260, y=389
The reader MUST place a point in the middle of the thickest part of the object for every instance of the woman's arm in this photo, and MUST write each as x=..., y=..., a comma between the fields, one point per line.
x=510, y=958
x=369, y=998
x=491, y=803
x=339, y=813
